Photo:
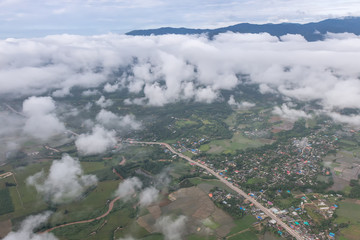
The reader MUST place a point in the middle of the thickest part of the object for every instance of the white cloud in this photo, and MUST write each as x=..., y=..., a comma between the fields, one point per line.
x=290, y=114
x=111, y=88
x=353, y=120
x=292, y=38
x=90, y=92
x=206, y=95
x=97, y=142
x=41, y=122
x=128, y=187
x=171, y=68
x=64, y=182
x=104, y=103
x=28, y=225
x=172, y=229
x=148, y=196
x=241, y=105
x=111, y=120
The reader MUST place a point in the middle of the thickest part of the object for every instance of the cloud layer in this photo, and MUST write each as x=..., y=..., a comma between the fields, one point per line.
x=164, y=69
x=64, y=182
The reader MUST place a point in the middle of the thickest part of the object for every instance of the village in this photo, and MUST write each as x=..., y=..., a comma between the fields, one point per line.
x=284, y=178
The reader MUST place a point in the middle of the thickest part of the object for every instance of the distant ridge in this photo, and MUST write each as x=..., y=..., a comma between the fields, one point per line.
x=314, y=31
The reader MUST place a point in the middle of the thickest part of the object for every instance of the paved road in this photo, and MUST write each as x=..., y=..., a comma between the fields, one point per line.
x=230, y=185
x=111, y=205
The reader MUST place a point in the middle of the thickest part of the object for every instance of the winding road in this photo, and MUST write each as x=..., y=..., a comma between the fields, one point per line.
x=111, y=206
x=291, y=231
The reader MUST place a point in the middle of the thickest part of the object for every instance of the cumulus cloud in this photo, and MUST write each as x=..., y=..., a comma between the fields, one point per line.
x=353, y=120
x=128, y=187
x=173, y=229
x=41, y=123
x=104, y=103
x=241, y=105
x=110, y=88
x=290, y=114
x=27, y=227
x=148, y=196
x=111, y=120
x=64, y=182
x=90, y=92
x=98, y=141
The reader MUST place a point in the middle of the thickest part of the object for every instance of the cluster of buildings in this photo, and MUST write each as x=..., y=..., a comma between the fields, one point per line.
x=271, y=173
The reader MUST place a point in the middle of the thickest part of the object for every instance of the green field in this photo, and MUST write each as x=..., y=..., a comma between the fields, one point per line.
x=255, y=181
x=242, y=224
x=348, y=212
x=89, y=167
x=237, y=142
x=350, y=233
x=92, y=206
x=197, y=237
x=6, y=205
x=185, y=123
x=30, y=202
x=247, y=235
x=212, y=182
x=210, y=224
x=204, y=148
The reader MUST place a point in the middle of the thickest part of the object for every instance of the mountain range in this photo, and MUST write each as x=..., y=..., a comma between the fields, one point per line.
x=314, y=31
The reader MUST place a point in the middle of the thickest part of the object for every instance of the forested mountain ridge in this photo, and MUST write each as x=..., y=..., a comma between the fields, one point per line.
x=314, y=31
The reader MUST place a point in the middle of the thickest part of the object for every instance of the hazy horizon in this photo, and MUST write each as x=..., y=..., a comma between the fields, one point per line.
x=22, y=19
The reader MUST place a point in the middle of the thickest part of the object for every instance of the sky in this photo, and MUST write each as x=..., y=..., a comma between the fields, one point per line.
x=37, y=18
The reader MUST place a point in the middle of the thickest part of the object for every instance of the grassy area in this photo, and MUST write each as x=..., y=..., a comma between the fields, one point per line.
x=6, y=205
x=351, y=233
x=210, y=223
x=231, y=120
x=138, y=232
x=204, y=148
x=248, y=235
x=185, y=123
x=89, y=167
x=213, y=182
x=92, y=206
x=242, y=224
x=32, y=203
x=255, y=180
x=347, y=189
x=197, y=237
x=348, y=212
x=314, y=216
x=238, y=141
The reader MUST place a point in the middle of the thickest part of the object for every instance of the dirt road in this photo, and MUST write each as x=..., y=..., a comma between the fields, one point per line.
x=111, y=206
